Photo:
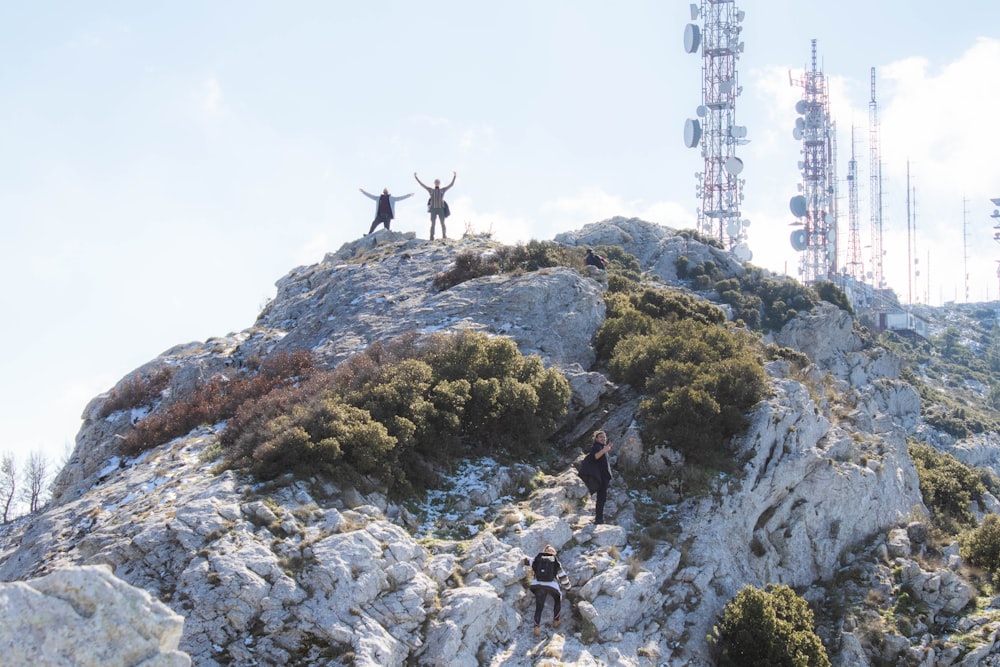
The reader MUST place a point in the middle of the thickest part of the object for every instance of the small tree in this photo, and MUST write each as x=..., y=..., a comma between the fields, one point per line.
x=981, y=546
x=35, y=477
x=8, y=483
x=768, y=628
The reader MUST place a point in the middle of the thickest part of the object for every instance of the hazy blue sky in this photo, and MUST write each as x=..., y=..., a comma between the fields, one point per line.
x=163, y=164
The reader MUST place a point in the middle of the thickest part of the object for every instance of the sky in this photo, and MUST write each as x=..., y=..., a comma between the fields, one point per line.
x=163, y=164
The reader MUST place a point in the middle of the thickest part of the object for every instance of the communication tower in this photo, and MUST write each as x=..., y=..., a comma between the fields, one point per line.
x=876, y=190
x=815, y=209
x=854, y=266
x=719, y=186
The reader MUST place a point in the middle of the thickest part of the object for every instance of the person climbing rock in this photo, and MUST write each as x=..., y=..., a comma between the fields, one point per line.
x=549, y=580
x=593, y=259
x=602, y=465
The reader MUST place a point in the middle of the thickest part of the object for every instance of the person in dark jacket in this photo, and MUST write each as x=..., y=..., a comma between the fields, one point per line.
x=593, y=259
x=437, y=206
x=385, y=207
x=599, y=453
x=549, y=580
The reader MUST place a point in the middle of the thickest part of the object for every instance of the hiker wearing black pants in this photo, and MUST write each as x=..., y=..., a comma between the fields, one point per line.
x=599, y=452
x=549, y=580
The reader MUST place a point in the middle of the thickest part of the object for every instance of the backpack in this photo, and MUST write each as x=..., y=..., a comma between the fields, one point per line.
x=545, y=567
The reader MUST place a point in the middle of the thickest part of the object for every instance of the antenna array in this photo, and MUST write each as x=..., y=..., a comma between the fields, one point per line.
x=815, y=209
x=719, y=187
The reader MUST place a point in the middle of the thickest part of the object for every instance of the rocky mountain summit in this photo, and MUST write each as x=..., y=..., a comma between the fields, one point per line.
x=303, y=571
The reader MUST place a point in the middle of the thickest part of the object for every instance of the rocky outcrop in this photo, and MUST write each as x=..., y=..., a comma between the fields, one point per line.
x=86, y=616
x=300, y=571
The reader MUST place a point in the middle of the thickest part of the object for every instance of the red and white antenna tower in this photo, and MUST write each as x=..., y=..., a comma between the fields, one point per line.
x=815, y=208
x=720, y=187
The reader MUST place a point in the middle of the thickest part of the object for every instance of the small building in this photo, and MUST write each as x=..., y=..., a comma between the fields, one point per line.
x=902, y=320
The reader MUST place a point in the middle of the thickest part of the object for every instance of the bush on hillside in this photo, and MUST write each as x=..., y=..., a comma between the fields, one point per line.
x=215, y=401
x=138, y=391
x=948, y=486
x=773, y=627
x=700, y=379
x=830, y=293
x=394, y=411
x=981, y=546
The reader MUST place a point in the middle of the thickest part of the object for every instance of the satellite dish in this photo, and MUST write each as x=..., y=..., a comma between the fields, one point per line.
x=694, y=12
x=739, y=15
x=828, y=219
x=702, y=111
x=801, y=106
x=734, y=165
x=797, y=134
x=800, y=123
x=799, y=240
x=732, y=228
x=692, y=132
x=746, y=223
x=832, y=234
x=742, y=252
x=798, y=205
x=692, y=38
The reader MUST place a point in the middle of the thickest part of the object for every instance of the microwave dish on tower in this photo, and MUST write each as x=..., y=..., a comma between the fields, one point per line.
x=715, y=131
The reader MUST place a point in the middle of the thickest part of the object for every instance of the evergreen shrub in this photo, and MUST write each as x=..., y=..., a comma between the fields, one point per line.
x=947, y=486
x=773, y=627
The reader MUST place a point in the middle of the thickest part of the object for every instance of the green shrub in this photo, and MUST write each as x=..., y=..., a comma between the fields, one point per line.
x=468, y=265
x=768, y=628
x=393, y=411
x=981, y=546
x=830, y=293
x=700, y=379
x=947, y=485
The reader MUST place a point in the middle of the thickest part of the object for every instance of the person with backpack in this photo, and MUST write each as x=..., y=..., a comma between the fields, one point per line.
x=436, y=205
x=549, y=580
x=593, y=259
x=599, y=467
x=385, y=207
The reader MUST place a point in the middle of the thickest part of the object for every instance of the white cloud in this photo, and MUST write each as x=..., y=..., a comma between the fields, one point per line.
x=211, y=95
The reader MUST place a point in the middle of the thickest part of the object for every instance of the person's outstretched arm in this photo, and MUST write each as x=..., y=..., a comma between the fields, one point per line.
x=367, y=194
x=402, y=197
x=421, y=182
x=453, y=177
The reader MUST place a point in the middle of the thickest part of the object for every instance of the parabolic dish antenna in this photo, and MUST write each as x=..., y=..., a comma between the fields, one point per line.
x=746, y=223
x=734, y=165
x=732, y=228
x=799, y=240
x=702, y=111
x=800, y=123
x=797, y=134
x=692, y=132
x=831, y=234
x=798, y=206
x=801, y=106
x=742, y=252
x=692, y=38
x=694, y=11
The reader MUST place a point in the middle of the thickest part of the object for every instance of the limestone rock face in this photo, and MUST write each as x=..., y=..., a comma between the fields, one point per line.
x=300, y=571
x=86, y=616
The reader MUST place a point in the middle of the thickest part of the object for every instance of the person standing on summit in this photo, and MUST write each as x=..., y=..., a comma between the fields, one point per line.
x=385, y=207
x=437, y=206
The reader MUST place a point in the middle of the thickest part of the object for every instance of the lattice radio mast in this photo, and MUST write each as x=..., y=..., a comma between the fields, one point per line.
x=855, y=267
x=815, y=209
x=876, y=190
x=719, y=186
